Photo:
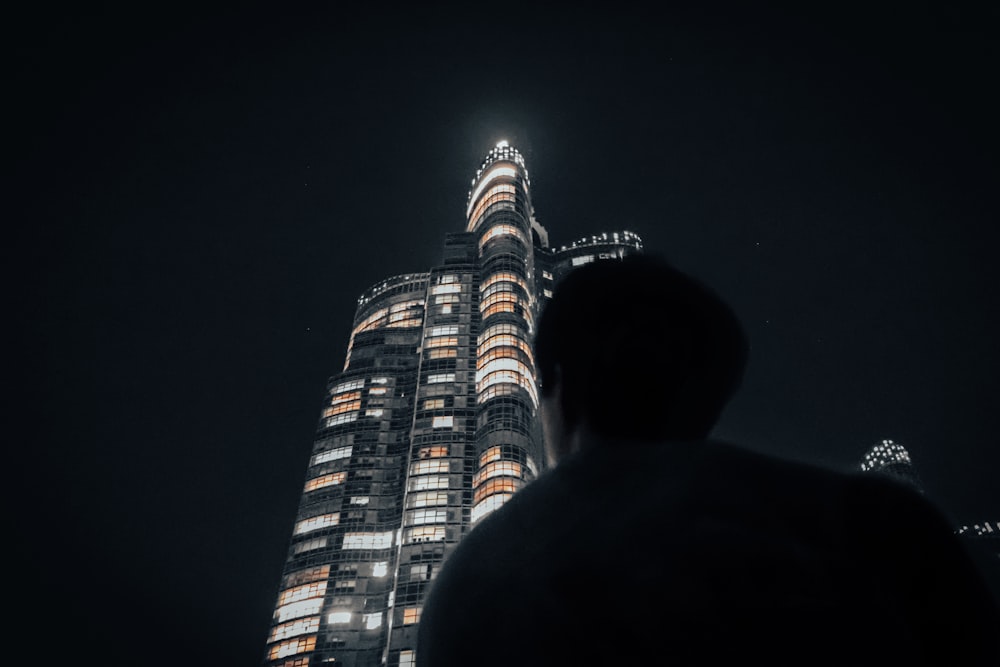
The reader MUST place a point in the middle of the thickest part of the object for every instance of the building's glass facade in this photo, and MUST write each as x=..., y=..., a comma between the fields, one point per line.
x=891, y=459
x=431, y=425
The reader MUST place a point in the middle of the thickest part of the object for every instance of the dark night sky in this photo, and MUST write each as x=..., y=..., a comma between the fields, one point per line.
x=203, y=194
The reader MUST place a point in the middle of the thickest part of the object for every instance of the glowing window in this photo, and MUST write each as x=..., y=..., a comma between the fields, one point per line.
x=325, y=480
x=502, y=485
x=381, y=540
x=496, y=469
x=411, y=615
x=341, y=408
x=421, y=517
x=428, y=467
x=586, y=259
x=491, y=454
x=338, y=617
x=292, y=647
x=427, y=499
x=316, y=589
x=341, y=419
x=407, y=659
x=440, y=341
x=447, y=278
x=378, y=391
x=446, y=421
x=443, y=331
x=317, y=523
x=501, y=230
x=345, y=397
x=440, y=377
x=427, y=482
x=294, y=629
x=349, y=385
x=494, y=172
x=376, y=412
x=331, y=455
x=380, y=569
x=446, y=299
x=372, y=621
x=546, y=275
x=309, y=607
x=432, y=452
x=447, y=289
x=442, y=353
x=433, y=403
x=490, y=504
x=359, y=500
x=424, y=534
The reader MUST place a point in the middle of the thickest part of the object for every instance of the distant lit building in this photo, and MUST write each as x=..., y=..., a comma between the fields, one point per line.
x=430, y=426
x=891, y=459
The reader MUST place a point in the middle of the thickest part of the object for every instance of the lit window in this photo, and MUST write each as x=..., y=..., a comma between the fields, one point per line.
x=345, y=397
x=586, y=259
x=427, y=499
x=306, y=576
x=325, y=480
x=421, y=517
x=309, y=607
x=429, y=467
x=440, y=341
x=378, y=391
x=440, y=377
x=341, y=408
x=372, y=621
x=425, y=533
x=494, y=172
x=316, y=589
x=502, y=485
x=445, y=309
x=427, y=482
x=547, y=293
x=337, y=617
x=359, y=500
x=341, y=419
x=331, y=455
x=490, y=504
x=381, y=540
x=317, y=523
x=447, y=278
x=444, y=331
x=447, y=289
x=379, y=569
x=443, y=422
x=433, y=403
x=292, y=647
x=491, y=454
x=407, y=658
x=442, y=353
x=411, y=615
x=375, y=412
x=348, y=386
x=446, y=299
x=498, y=469
x=432, y=452
x=546, y=275
x=294, y=629
x=382, y=380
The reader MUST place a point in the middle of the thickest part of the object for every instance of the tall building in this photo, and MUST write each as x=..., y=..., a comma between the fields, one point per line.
x=891, y=459
x=430, y=426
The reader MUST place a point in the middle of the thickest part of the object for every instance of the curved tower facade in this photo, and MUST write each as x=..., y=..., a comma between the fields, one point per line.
x=891, y=459
x=430, y=426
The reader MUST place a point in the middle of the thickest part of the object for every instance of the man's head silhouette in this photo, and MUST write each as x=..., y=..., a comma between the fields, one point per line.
x=636, y=349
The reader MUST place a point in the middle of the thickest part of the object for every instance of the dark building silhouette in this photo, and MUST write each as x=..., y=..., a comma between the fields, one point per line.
x=430, y=426
x=982, y=540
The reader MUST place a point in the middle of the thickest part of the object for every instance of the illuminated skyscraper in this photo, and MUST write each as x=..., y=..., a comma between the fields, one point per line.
x=430, y=426
x=891, y=459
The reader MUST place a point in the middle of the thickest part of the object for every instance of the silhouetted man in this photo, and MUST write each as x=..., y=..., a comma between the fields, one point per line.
x=648, y=543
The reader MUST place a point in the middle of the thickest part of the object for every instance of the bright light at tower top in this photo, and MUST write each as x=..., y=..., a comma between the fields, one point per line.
x=502, y=143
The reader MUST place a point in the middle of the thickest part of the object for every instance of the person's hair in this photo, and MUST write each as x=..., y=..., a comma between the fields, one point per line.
x=639, y=349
